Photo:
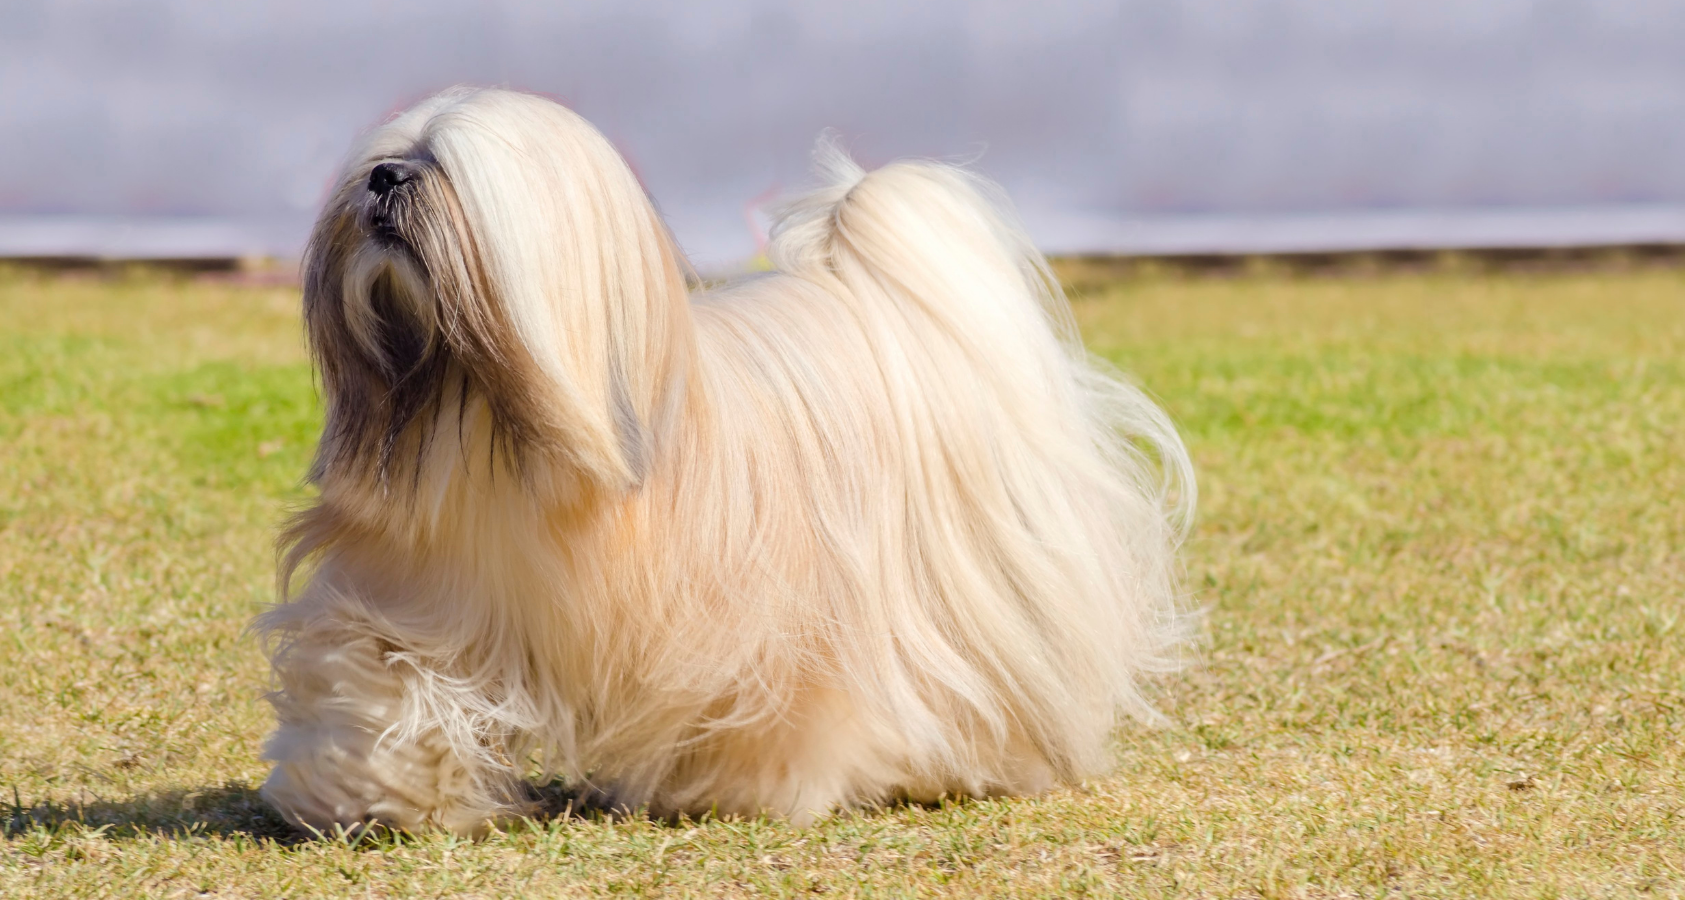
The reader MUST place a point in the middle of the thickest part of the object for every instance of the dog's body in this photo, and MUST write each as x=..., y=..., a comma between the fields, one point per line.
x=865, y=527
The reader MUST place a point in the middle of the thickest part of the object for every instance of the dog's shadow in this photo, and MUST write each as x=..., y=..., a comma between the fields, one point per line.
x=227, y=810
x=235, y=809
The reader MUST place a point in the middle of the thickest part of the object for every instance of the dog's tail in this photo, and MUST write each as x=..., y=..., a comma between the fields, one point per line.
x=1034, y=465
x=949, y=240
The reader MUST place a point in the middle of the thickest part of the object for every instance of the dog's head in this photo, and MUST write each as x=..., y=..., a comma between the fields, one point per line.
x=487, y=261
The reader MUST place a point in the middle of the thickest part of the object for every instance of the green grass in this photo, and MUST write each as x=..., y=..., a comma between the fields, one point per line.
x=1441, y=546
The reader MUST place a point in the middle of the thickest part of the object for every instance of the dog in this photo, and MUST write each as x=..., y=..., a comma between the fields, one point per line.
x=869, y=527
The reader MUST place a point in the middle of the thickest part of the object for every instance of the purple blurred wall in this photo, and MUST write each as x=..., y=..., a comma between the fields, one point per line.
x=200, y=128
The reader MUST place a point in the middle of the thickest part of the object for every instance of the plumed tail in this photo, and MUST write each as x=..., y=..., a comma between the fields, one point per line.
x=952, y=239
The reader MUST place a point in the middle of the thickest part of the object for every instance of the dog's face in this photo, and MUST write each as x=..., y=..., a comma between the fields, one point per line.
x=402, y=317
x=487, y=256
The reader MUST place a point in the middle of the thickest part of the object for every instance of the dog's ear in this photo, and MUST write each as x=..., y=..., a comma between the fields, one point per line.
x=570, y=297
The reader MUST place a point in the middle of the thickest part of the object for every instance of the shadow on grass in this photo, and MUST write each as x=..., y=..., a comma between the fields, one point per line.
x=235, y=809
x=224, y=810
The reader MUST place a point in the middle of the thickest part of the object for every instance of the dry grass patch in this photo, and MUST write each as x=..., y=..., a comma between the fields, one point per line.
x=1440, y=543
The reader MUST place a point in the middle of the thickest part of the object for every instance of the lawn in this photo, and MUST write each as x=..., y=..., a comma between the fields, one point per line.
x=1441, y=550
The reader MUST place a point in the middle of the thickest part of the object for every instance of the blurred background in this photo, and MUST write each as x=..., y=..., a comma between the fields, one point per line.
x=205, y=130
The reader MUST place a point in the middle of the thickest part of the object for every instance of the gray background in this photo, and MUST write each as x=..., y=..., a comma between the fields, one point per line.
x=199, y=128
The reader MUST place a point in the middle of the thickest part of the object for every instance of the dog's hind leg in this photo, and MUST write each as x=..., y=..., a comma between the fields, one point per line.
x=344, y=756
x=801, y=765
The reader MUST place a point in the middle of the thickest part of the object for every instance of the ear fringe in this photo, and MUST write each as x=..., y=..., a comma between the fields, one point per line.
x=573, y=250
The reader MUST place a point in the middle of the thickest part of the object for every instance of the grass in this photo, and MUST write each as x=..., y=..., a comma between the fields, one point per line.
x=1441, y=544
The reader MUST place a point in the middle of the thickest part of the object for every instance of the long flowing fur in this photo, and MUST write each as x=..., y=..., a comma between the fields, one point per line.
x=866, y=527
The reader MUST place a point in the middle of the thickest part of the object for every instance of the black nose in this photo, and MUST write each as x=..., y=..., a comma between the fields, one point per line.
x=387, y=176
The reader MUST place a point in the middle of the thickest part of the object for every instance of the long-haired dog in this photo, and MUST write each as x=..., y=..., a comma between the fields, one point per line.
x=868, y=527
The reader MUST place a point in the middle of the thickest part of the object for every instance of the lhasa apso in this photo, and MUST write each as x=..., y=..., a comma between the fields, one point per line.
x=869, y=526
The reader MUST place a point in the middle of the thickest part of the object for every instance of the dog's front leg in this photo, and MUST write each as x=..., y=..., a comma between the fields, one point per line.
x=347, y=753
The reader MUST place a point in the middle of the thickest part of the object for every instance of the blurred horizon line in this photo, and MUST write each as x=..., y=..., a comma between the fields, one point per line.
x=1060, y=233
